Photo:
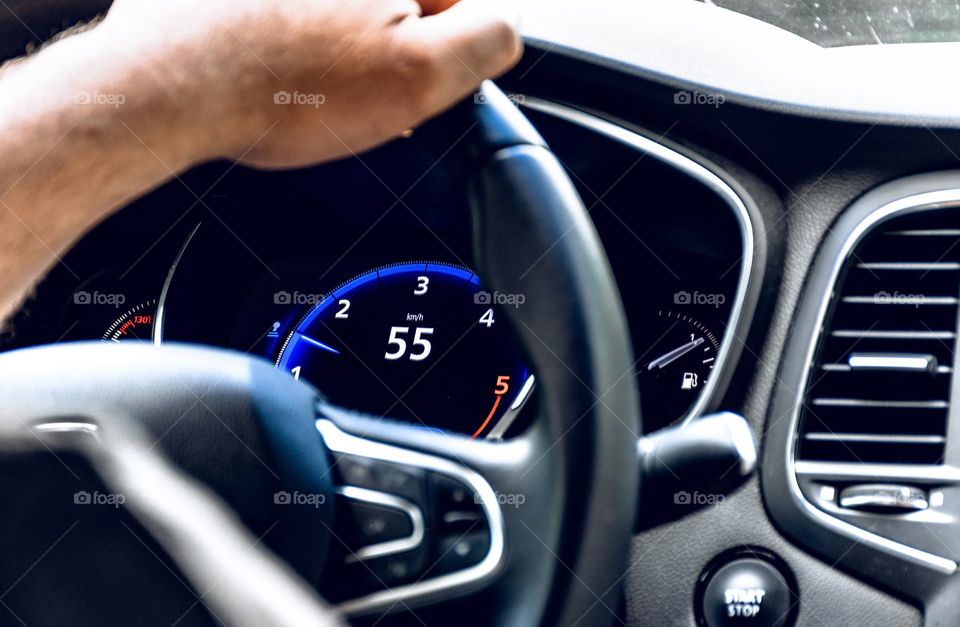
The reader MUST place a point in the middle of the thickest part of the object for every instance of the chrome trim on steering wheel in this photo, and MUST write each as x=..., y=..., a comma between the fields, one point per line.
x=453, y=583
x=382, y=549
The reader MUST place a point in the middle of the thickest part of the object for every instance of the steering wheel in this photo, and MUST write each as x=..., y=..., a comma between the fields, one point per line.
x=197, y=446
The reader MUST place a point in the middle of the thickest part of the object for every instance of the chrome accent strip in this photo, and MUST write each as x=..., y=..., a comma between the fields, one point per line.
x=696, y=171
x=894, y=335
x=340, y=442
x=928, y=233
x=162, y=301
x=904, y=498
x=907, y=362
x=861, y=402
x=67, y=427
x=843, y=471
x=382, y=549
x=910, y=204
x=874, y=438
x=911, y=301
x=510, y=416
x=524, y=393
x=911, y=266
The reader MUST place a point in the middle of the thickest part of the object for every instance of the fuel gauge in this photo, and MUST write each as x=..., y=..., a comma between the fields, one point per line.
x=676, y=368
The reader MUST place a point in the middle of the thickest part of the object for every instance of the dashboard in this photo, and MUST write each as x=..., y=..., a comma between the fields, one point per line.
x=363, y=285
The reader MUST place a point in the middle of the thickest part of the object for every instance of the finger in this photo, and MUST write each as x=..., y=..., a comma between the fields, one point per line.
x=471, y=41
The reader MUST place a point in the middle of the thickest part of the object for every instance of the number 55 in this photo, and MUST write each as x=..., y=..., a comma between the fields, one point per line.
x=419, y=340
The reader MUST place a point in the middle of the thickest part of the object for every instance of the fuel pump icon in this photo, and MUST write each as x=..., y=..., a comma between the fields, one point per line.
x=690, y=381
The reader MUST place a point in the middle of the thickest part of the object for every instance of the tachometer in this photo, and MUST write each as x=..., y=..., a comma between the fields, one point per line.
x=134, y=324
x=416, y=341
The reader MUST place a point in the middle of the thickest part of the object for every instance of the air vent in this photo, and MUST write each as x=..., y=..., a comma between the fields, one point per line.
x=879, y=391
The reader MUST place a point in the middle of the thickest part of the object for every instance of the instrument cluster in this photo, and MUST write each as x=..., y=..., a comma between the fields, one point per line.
x=365, y=285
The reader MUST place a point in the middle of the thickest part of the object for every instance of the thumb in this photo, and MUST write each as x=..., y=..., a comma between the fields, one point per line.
x=469, y=42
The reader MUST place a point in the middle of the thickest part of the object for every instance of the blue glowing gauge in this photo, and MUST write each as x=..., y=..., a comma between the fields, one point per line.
x=419, y=342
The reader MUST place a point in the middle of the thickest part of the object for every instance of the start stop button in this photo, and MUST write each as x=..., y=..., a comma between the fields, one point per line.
x=746, y=588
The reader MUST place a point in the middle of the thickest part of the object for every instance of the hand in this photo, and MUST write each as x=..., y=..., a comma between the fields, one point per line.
x=96, y=119
x=284, y=83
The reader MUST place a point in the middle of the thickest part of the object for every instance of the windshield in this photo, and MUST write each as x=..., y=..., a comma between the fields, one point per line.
x=857, y=22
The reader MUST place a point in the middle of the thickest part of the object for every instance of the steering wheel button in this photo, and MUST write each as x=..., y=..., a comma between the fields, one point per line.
x=454, y=496
x=400, y=480
x=375, y=524
x=356, y=471
x=382, y=477
x=747, y=591
x=399, y=568
x=462, y=551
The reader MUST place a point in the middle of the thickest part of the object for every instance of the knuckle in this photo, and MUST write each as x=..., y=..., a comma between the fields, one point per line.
x=419, y=62
x=420, y=74
x=505, y=39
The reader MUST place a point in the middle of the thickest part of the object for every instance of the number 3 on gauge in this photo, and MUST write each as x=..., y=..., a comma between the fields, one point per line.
x=419, y=341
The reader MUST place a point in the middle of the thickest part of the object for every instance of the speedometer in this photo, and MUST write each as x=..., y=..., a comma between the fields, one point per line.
x=420, y=342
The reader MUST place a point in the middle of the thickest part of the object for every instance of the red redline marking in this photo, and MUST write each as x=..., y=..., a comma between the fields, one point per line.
x=496, y=404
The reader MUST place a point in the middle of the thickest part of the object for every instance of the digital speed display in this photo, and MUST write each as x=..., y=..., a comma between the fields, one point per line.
x=419, y=342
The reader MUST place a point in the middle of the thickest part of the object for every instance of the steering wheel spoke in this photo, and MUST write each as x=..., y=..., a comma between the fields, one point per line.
x=426, y=516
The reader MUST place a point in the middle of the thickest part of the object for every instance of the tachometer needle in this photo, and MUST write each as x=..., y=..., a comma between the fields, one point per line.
x=675, y=354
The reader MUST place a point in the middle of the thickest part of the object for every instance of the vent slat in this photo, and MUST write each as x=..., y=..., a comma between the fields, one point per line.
x=876, y=437
x=862, y=402
x=926, y=233
x=919, y=300
x=895, y=335
x=847, y=368
x=907, y=266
